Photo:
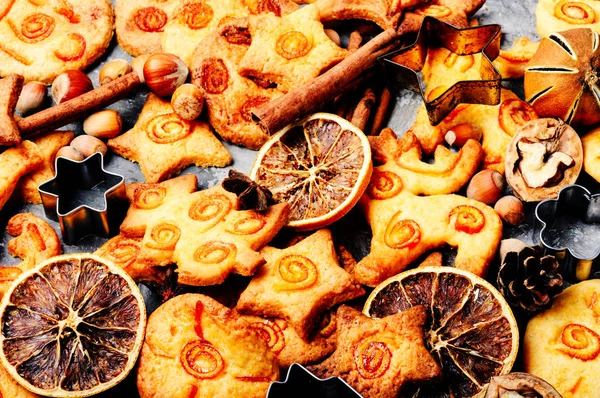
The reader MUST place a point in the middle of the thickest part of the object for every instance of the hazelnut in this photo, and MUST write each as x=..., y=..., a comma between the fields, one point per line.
x=70, y=84
x=163, y=73
x=458, y=135
x=486, y=186
x=70, y=153
x=334, y=36
x=113, y=70
x=32, y=97
x=103, y=124
x=138, y=65
x=187, y=101
x=510, y=209
x=88, y=145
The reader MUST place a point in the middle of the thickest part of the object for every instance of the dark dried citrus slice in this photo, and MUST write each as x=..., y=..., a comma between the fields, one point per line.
x=321, y=166
x=72, y=326
x=471, y=330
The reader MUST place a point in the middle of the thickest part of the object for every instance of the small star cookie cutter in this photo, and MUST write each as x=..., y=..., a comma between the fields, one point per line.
x=569, y=228
x=403, y=66
x=299, y=379
x=84, y=198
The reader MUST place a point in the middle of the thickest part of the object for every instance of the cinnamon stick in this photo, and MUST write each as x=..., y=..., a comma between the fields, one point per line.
x=278, y=113
x=76, y=108
x=383, y=108
x=362, y=112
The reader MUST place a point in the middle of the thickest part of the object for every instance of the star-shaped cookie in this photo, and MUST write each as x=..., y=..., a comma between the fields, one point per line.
x=299, y=283
x=15, y=162
x=454, y=12
x=27, y=189
x=296, y=47
x=378, y=356
x=230, y=97
x=163, y=144
x=202, y=232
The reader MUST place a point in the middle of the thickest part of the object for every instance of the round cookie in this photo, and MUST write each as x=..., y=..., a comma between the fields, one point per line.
x=562, y=344
x=196, y=347
x=591, y=153
x=559, y=15
x=42, y=39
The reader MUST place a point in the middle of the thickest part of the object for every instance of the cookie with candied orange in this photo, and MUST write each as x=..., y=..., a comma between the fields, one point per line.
x=195, y=347
x=43, y=38
x=562, y=344
x=299, y=283
x=560, y=15
x=454, y=12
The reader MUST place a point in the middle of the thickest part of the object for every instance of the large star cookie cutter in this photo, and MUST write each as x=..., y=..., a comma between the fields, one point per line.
x=84, y=198
x=300, y=379
x=403, y=66
x=569, y=228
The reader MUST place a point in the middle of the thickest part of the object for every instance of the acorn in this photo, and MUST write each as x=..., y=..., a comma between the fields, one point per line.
x=113, y=70
x=187, y=101
x=103, y=124
x=87, y=145
x=163, y=73
x=31, y=98
x=486, y=186
x=510, y=209
x=70, y=84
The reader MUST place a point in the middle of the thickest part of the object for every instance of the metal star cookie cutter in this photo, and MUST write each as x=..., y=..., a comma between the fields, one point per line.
x=403, y=66
x=300, y=379
x=570, y=230
x=84, y=198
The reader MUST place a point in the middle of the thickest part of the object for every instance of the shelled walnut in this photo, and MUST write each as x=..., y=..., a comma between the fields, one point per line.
x=544, y=156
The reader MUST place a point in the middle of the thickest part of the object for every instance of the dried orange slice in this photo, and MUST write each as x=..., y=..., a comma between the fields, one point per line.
x=471, y=332
x=321, y=166
x=72, y=326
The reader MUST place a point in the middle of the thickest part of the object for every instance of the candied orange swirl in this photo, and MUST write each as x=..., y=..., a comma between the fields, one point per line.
x=467, y=219
x=212, y=208
x=215, y=252
x=580, y=341
x=513, y=114
x=384, y=185
x=72, y=48
x=197, y=15
x=35, y=28
x=202, y=360
x=235, y=34
x=271, y=333
x=298, y=272
x=165, y=129
x=434, y=10
x=149, y=196
x=250, y=104
x=372, y=359
x=123, y=251
x=214, y=76
x=150, y=19
x=293, y=45
x=164, y=237
x=328, y=325
x=574, y=12
x=402, y=234
x=248, y=224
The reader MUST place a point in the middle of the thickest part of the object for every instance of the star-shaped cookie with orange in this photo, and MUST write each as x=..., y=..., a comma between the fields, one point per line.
x=164, y=144
x=378, y=356
x=299, y=283
x=296, y=47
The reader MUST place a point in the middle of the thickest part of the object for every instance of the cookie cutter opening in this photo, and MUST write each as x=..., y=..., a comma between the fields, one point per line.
x=300, y=379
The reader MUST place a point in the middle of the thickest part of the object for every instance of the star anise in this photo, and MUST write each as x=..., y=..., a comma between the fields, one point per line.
x=250, y=194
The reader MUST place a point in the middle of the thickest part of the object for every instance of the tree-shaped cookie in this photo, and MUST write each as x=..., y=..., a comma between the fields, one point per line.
x=299, y=283
x=164, y=144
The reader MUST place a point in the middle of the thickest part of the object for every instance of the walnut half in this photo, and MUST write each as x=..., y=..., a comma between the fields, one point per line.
x=544, y=156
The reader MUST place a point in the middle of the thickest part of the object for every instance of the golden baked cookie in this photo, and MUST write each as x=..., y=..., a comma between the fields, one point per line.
x=299, y=283
x=10, y=388
x=164, y=144
x=41, y=39
x=591, y=153
x=27, y=189
x=195, y=347
x=34, y=241
x=560, y=15
x=284, y=341
x=511, y=63
x=454, y=12
x=296, y=47
x=10, y=89
x=497, y=122
x=15, y=162
x=230, y=97
x=377, y=356
x=562, y=345
x=177, y=26
x=202, y=232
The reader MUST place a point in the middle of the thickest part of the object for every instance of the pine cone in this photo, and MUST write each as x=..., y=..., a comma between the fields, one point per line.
x=529, y=281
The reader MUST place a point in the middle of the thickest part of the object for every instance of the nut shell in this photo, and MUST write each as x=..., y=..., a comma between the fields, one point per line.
x=69, y=85
x=31, y=98
x=88, y=145
x=113, y=70
x=163, y=73
x=103, y=124
x=187, y=101
x=557, y=136
x=486, y=186
x=510, y=209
